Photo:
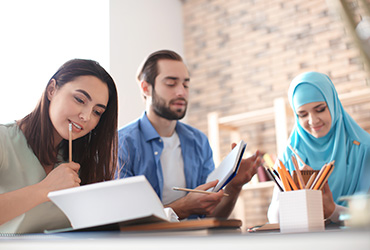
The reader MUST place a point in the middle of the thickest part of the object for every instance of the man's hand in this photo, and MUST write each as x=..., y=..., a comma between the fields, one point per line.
x=247, y=169
x=196, y=203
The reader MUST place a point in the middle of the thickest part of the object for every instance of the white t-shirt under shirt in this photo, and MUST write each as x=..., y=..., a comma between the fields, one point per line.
x=172, y=169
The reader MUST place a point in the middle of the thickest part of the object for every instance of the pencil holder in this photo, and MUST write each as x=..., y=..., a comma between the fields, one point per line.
x=301, y=211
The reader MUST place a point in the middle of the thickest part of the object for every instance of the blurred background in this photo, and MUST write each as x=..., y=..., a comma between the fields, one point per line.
x=241, y=54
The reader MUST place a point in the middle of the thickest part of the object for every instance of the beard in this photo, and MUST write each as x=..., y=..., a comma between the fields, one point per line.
x=160, y=108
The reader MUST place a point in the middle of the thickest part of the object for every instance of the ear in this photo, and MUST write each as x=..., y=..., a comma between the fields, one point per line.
x=146, y=88
x=51, y=89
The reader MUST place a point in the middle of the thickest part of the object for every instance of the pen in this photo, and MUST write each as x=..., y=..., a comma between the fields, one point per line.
x=195, y=191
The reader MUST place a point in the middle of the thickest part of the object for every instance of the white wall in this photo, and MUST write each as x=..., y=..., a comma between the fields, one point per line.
x=37, y=37
x=138, y=28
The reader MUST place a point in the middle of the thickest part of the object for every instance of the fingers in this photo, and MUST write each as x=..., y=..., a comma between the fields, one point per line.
x=326, y=189
x=207, y=185
x=74, y=166
x=233, y=145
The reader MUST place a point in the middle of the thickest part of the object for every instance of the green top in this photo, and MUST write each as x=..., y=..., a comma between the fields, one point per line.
x=19, y=167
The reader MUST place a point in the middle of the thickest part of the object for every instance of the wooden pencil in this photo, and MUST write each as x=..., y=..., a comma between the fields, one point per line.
x=310, y=180
x=287, y=176
x=298, y=171
x=70, y=141
x=318, y=176
x=325, y=176
x=299, y=158
x=194, y=191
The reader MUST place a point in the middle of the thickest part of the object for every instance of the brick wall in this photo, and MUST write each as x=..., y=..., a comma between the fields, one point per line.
x=242, y=54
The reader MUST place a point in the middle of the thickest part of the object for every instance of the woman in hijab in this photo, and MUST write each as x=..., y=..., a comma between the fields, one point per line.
x=324, y=132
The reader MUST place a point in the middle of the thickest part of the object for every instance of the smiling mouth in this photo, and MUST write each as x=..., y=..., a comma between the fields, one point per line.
x=317, y=128
x=75, y=125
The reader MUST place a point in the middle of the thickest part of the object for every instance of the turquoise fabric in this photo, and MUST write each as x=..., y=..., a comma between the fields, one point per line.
x=352, y=162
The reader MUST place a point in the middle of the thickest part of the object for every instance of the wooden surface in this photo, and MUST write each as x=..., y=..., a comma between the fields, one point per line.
x=210, y=223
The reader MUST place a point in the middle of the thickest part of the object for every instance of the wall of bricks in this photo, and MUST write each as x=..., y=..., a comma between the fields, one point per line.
x=242, y=54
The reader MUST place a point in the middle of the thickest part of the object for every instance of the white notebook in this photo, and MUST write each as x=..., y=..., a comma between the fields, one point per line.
x=117, y=201
x=228, y=168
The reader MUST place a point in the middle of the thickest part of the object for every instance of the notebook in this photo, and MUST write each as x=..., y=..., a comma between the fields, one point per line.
x=228, y=168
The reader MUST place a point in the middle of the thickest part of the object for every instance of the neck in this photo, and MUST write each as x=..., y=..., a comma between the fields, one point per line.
x=57, y=139
x=164, y=127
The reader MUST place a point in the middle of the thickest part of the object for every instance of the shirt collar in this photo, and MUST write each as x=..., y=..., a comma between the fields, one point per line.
x=150, y=133
x=147, y=128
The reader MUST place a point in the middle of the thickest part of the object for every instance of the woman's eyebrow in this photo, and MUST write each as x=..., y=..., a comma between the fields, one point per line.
x=85, y=93
x=89, y=98
x=321, y=104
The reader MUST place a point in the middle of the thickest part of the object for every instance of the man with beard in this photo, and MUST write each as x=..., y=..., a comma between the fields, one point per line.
x=170, y=153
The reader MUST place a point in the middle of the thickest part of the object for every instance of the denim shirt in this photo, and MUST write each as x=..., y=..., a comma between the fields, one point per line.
x=140, y=148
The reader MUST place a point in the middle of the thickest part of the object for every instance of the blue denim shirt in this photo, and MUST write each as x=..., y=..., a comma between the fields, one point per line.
x=140, y=148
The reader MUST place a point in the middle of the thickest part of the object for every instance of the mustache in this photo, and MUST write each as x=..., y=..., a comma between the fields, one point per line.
x=179, y=99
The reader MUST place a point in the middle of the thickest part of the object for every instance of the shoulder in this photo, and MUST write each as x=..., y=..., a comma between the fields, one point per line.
x=188, y=130
x=191, y=134
x=132, y=127
x=9, y=131
x=130, y=137
x=9, y=138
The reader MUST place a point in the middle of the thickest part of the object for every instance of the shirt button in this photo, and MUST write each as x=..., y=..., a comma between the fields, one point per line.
x=155, y=152
x=160, y=140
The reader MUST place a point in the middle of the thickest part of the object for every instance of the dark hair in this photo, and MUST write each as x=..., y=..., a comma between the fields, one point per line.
x=96, y=152
x=148, y=70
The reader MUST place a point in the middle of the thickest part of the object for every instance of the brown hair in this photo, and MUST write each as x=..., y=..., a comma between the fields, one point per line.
x=96, y=152
x=148, y=70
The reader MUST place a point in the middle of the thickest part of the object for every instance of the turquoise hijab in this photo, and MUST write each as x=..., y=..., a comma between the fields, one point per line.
x=352, y=162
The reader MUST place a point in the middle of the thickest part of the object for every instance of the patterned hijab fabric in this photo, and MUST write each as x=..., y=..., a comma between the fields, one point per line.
x=346, y=142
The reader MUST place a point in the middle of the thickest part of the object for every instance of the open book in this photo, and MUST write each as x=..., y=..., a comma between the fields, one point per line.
x=126, y=201
x=228, y=168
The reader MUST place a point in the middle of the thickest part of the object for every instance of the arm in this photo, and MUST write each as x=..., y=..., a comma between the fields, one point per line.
x=247, y=169
x=15, y=203
x=328, y=202
x=273, y=210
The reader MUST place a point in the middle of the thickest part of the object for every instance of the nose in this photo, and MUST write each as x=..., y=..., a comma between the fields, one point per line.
x=85, y=115
x=312, y=119
x=181, y=91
